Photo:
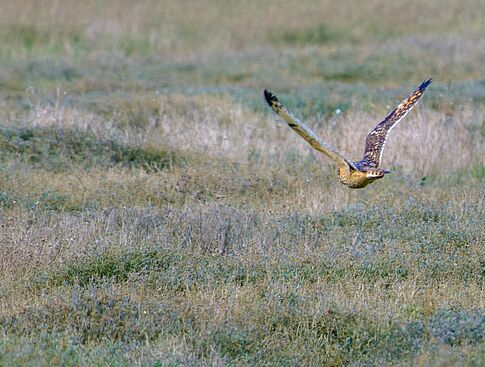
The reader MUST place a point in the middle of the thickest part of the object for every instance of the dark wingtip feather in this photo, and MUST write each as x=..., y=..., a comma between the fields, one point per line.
x=425, y=84
x=270, y=97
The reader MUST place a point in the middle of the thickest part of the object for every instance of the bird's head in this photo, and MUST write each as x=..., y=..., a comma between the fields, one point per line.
x=376, y=173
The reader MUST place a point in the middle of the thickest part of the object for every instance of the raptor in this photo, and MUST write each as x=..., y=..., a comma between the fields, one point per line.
x=359, y=174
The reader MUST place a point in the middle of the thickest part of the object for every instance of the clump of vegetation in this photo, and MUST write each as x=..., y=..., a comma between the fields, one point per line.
x=321, y=34
x=56, y=148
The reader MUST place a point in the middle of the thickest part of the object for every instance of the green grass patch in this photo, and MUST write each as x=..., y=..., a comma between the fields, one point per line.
x=174, y=270
x=29, y=39
x=271, y=332
x=61, y=149
x=321, y=34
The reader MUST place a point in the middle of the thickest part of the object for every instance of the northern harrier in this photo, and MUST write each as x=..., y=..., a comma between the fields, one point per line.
x=353, y=174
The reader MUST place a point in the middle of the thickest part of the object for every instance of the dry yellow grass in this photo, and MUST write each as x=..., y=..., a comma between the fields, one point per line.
x=204, y=27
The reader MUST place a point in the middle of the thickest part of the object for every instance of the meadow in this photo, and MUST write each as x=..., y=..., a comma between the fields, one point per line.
x=155, y=212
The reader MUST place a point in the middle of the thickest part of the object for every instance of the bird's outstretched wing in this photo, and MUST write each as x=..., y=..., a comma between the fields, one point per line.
x=305, y=132
x=376, y=140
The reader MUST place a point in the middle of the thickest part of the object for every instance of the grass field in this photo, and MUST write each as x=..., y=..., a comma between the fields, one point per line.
x=154, y=212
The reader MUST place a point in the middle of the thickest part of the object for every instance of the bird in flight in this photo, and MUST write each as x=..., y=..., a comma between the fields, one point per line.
x=355, y=175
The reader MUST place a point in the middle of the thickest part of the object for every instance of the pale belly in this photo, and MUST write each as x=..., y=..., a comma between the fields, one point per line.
x=356, y=179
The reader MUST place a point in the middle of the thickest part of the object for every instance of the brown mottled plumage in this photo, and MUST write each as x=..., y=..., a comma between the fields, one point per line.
x=353, y=174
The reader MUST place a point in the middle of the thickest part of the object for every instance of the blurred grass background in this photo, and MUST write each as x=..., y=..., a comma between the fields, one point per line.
x=153, y=211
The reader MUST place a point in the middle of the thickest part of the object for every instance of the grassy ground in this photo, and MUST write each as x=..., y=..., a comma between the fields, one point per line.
x=154, y=212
